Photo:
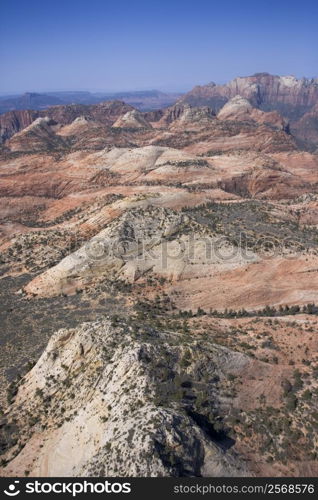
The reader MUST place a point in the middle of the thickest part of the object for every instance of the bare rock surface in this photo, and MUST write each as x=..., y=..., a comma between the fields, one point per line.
x=105, y=413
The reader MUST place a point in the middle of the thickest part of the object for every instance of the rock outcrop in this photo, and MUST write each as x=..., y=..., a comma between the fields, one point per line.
x=14, y=121
x=269, y=92
x=240, y=109
x=105, y=113
x=132, y=120
x=306, y=129
x=182, y=114
x=116, y=399
x=38, y=136
x=141, y=241
x=289, y=96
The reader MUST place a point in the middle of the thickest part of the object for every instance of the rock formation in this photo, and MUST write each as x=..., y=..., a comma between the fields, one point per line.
x=38, y=136
x=132, y=120
x=290, y=96
x=240, y=109
x=14, y=121
x=263, y=90
x=105, y=413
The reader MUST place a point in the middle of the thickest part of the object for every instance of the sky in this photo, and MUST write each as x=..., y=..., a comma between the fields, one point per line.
x=101, y=45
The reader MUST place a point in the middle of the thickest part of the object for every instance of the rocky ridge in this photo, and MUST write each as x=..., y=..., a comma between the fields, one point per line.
x=86, y=381
x=291, y=97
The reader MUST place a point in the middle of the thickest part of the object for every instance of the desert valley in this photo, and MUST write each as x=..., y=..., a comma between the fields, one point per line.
x=159, y=285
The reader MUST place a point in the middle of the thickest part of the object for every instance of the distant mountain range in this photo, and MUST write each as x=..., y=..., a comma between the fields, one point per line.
x=295, y=99
x=143, y=100
x=290, y=96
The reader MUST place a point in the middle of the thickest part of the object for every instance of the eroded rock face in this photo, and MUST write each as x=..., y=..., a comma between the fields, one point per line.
x=183, y=113
x=120, y=248
x=262, y=89
x=239, y=108
x=145, y=240
x=106, y=113
x=306, y=129
x=93, y=406
x=79, y=127
x=235, y=107
x=290, y=96
x=38, y=136
x=133, y=119
x=14, y=121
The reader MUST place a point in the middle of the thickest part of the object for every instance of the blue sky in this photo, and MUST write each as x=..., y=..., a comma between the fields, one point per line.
x=102, y=45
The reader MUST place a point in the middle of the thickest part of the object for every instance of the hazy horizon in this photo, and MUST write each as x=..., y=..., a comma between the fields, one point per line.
x=105, y=47
x=181, y=89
